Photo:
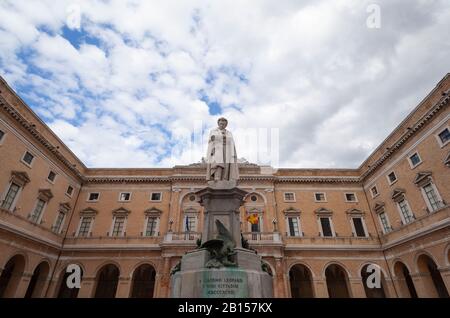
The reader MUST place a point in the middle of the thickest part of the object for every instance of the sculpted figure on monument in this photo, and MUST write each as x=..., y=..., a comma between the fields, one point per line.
x=221, y=249
x=221, y=157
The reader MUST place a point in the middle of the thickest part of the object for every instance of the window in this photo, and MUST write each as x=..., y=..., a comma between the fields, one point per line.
x=432, y=197
x=359, y=227
x=59, y=222
x=289, y=196
x=151, y=229
x=384, y=222
x=156, y=196
x=254, y=198
x=2, y=134
x=36, y=215
x=319, y=196
x=444, y=137
x=190, y=224
x=406, y=214
x=69, y=190
x=350, y=197
x=392, y=177
x=93, y=196
x=11, y=195
x=28, y=158
x=119, y=226
x=294, y=228
x=85, y=226
x=51, y=176
x=326, y=226
x=414, y=160
x=124, y=196
x=374, y=191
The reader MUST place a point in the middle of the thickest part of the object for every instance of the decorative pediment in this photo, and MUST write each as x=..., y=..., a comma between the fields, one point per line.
x=422, y=178
x=21, y=178
x=355, y=212
x=447, y=160
x=379, y=207
x=191, y=210
x=64, y=207
x=88, y=212
x=323, y=211
x=291, y=211
x=45, y=194
x=121, y=211
x=398, y=194
x=153, y=211
x=253, y=210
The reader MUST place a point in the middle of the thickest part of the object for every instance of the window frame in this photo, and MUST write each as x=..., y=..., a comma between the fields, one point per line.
x=442, y=144
x=2, y=138
x=324, y=197
x=288, y=232
x=436, y=193
x=389, y=180
x=351, y=201
x=89, y=196
x=125, y=192
x=399, y=208
x=88, y=233
x=411, y=164
x=16, y=197
x=363, y=223
x=157, y=221
x=388, y=223
x=287, y=200
x=124, y=225
x=41, y=213
x=160, y=196
x=59, y=229
x=67, y=193
x=330, y=221
x=371, y=191
x=54, y=179
x=29, y=165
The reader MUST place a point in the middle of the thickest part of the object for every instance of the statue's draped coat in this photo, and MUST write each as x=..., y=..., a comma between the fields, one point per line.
x=220, y=156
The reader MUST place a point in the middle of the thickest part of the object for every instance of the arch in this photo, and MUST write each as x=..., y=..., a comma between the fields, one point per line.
x=271, y=268
x=107, y=280
x=185, y=197
x=300, y=281
x=303, y=264
x=103, y=264
x=248, y=195
x=64, y=291
x=431, y=277
x=447, y=255
x=378, y=289
x=38, y=280
x=17, y=253
x=347, y=272
x=143, y=281
x=11, y=275
x=337, y=279
x=404, y=280
x=383, y=271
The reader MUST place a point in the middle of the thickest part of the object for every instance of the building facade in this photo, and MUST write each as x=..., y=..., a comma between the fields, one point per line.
x=318, y=230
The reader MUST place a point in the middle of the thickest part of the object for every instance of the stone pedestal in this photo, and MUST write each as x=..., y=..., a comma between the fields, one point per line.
x=221, y=201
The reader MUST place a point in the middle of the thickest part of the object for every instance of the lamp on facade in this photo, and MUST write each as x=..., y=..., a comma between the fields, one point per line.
x=274, y=221
x=170, y=225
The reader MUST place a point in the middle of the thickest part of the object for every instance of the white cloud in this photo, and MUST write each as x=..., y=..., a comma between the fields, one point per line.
x=129, y=84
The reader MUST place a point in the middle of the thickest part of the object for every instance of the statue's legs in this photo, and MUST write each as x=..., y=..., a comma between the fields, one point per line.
x=218, y=173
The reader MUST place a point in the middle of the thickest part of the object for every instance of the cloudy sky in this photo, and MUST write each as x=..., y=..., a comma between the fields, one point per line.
x=134, y=83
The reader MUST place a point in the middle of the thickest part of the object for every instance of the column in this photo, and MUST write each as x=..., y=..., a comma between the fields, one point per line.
x=123, y=287
x=357, y=288
x=22, y=285
x=320, y=288
x=422, y=286
x=279, y=288
x=87, y=287
x=164, y=281
x=445, y=273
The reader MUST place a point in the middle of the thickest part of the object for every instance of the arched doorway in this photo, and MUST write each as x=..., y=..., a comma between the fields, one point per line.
x=143, y=283
x=300, y=279
x=404, y=280
x=107, y=281
x=38, y=281
x=337, y=282
x=64, y=291
x=366, y=276
x=432, y=279
x=11, y=276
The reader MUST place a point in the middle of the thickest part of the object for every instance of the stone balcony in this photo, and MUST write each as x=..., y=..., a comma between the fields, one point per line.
x=182, y=238
x=263, y=238
x=332, y=242
x=421, y=225
x=112, y=242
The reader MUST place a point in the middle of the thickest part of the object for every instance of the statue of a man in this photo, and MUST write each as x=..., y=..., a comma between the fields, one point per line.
x=221, y=158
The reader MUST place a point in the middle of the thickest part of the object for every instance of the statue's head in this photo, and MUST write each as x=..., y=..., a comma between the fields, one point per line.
x=222, y=122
